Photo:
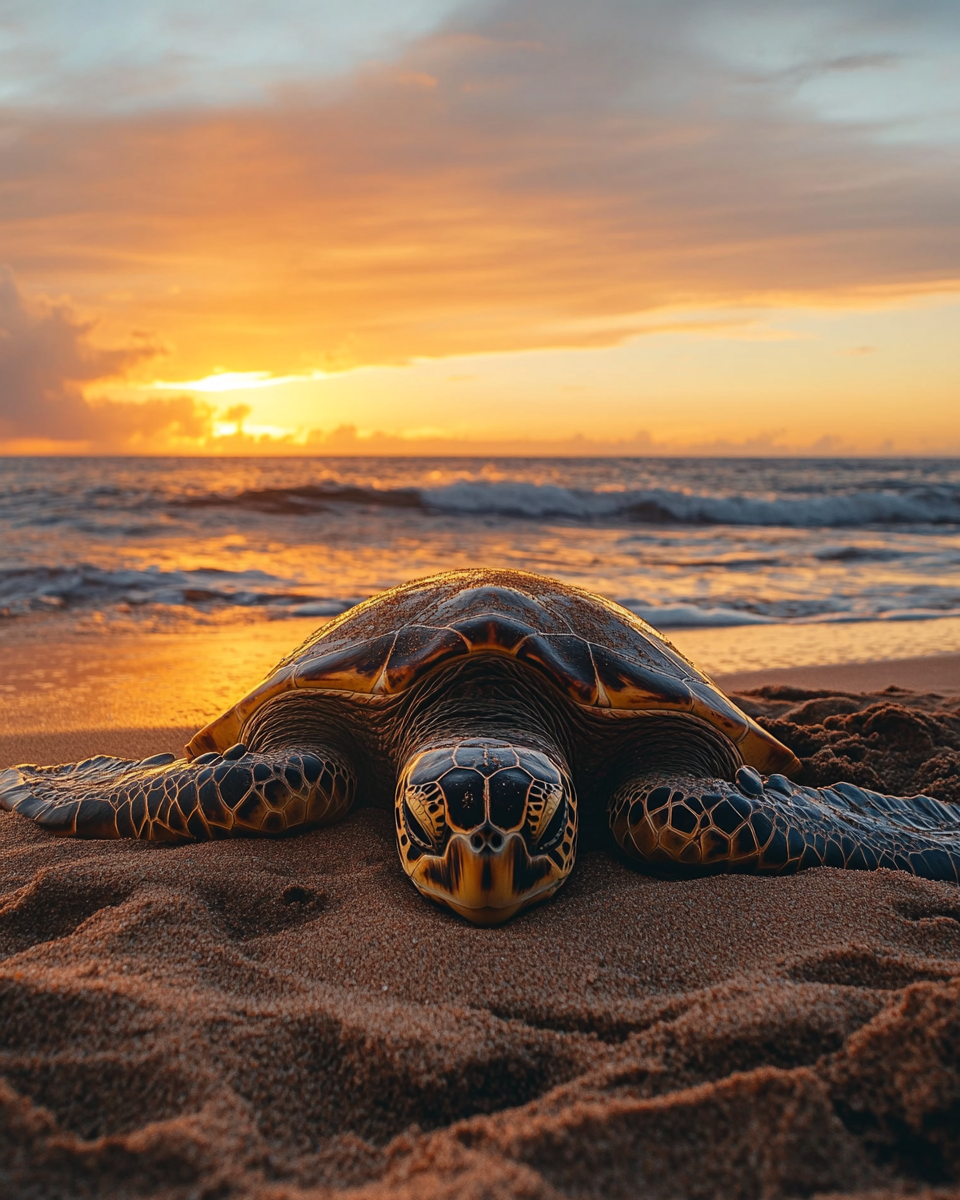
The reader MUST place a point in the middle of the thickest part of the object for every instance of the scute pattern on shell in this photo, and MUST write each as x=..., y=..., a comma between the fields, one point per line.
x=600, y=654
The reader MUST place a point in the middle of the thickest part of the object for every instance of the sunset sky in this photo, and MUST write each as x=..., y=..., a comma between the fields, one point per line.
x=629, y=226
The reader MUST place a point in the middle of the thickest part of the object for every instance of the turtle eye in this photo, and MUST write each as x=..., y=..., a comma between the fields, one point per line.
x=425, y=816
x=546, y=814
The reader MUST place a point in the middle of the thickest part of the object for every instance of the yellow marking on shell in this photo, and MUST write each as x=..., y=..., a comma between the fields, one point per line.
x=345, y=669
x=715, y=708
x=639, y=700
x=379, y=685
x=763, y=752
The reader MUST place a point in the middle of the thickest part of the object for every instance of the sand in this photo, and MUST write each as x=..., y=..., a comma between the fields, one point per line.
x=930, y=673
x=290, y=1019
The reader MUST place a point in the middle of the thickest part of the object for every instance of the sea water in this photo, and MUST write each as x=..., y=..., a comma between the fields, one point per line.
x=173, y=543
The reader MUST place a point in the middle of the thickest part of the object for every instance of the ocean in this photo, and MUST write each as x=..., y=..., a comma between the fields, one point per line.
x=172, y=543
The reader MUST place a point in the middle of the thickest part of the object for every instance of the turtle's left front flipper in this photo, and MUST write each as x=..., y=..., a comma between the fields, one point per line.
x=774, y=825
x=168, y=799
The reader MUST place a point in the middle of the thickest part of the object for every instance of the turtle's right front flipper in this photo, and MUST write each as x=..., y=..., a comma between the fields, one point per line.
x=167, y=799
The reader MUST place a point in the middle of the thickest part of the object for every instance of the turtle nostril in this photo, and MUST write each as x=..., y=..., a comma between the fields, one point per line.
x=496, y=841
x=476, y=842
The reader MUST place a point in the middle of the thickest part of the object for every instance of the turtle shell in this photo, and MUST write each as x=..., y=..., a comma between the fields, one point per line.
x=596, y=652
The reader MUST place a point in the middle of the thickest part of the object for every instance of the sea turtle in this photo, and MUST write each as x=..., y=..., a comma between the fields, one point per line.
x=490, y=705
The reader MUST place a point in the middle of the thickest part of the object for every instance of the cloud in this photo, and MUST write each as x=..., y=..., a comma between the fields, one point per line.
x=163, y=53
x=346, y=441
x=569, y=164
x=47, y=357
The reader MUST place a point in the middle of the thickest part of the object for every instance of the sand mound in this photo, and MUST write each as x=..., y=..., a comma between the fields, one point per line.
x=277, y=1019
x=894, y=741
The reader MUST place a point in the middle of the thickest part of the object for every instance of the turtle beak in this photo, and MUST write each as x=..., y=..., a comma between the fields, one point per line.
x=487, y=876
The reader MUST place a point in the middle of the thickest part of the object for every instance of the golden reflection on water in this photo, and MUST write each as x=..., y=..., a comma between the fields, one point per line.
x=57, y=679
x=123, y=681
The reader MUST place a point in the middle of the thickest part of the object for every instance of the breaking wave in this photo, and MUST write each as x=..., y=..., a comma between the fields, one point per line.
x=682, y=543
x=85, y=587
x=47, y=589
x=660, y=506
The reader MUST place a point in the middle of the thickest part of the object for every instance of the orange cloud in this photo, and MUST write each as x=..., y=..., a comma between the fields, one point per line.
x=525, y=198
x=345, y=441
x=47, y=355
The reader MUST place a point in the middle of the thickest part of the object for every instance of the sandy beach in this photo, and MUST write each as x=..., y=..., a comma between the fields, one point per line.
x=284, y=1019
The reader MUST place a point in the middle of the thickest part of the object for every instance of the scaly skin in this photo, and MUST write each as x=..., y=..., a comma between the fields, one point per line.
x=164, y=799
x=775, y=826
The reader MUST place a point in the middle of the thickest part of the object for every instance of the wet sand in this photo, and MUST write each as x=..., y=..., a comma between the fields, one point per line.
x=290, y=1019
x=932, y=673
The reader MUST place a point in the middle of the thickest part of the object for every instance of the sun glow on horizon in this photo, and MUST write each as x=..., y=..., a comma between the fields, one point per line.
x=782, y=381
x=233, y=381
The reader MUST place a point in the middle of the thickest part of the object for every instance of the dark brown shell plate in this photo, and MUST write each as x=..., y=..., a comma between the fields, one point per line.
x=599, y=654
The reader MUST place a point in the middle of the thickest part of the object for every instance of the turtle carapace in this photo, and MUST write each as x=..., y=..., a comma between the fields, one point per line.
x=490, y=708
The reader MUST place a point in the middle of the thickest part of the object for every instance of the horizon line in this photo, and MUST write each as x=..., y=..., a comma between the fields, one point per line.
x=756, y=456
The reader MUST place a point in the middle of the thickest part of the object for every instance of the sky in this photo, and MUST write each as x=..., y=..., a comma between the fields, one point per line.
x=525, y=226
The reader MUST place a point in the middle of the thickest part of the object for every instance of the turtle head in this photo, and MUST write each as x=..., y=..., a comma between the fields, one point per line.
x=486, y=827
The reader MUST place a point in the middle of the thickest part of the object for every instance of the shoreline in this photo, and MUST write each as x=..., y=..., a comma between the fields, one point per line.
x=929, y=673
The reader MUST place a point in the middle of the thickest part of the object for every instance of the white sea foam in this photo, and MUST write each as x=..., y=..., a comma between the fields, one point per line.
x=691, y=616
x=514, y=498
x=319, y=608
x=691, y=544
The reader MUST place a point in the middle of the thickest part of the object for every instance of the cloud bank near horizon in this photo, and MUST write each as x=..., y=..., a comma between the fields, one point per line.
x=47, y=355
